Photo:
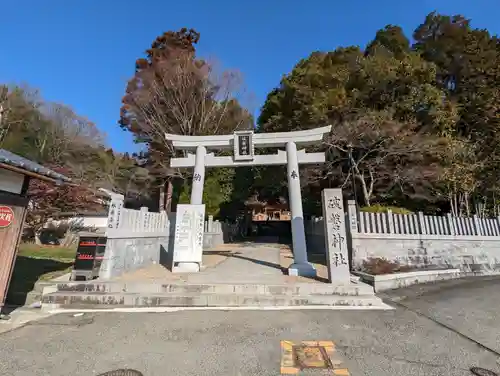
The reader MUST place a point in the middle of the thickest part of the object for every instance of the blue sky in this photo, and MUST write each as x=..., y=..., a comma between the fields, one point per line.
x=81, y=53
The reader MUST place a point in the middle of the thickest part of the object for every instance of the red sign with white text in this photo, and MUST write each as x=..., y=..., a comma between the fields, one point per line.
x=6, y=216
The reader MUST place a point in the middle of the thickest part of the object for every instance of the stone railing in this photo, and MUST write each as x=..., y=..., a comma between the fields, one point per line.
x=138, y=238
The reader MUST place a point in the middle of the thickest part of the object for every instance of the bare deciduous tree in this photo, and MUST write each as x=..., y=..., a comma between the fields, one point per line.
x=18, y=109
x=174, y=92
x=375, y=150
x=66, y=132
x=460, y=163
x=185, y=96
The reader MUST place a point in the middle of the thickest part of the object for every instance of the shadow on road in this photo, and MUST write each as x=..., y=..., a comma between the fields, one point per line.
x=256, y=261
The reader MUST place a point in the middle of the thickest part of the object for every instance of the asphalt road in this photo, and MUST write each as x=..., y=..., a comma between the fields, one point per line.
x=396, y=343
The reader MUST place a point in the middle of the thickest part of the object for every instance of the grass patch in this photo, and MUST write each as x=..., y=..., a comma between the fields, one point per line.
x=377, y=208
x=47, y=252
x=37, y=263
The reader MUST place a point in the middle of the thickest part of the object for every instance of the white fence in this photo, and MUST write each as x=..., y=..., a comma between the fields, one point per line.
x=426, y=241
x=390, y=223
x=79, y=221
x=471, y=245
x=130, y=223
x=411, y=224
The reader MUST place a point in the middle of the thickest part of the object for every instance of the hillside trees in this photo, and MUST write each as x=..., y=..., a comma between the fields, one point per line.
x=411, y=123
x=386, y=114
x=468, y=69
x=414, y=125
x=55, y=136
x=173, y=91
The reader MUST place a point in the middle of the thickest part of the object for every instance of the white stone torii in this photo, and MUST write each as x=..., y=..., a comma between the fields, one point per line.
x=243, y=144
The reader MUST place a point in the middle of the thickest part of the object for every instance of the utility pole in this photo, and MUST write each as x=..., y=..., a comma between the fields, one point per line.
x=2, y=132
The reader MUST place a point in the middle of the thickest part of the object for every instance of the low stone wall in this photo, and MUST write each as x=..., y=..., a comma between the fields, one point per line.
x=469, y=253
x=477, y=254
x=139, y=238
x=212, y=239
x=471, y=245
x=126, y=254
x=399, y=280
x=129, y=254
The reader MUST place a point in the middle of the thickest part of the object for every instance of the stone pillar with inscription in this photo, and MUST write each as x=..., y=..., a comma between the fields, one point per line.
x=300, y=266
x=188, y=238
x=335, y=236
x=112, y=255
x=114, y=211
x=198, y=176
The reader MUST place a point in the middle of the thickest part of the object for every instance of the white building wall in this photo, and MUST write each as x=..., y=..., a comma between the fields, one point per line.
x=11, y=181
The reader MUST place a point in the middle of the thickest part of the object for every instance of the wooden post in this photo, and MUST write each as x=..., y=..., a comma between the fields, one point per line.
x=390, y=221
x=451, y=224
x=477, y=225
x=406, y=225
x=362, y=223
x=169, y=195
x=210, y=223
x=353, y=216
x=142, y=218
x=161, y=199
x=421, y=223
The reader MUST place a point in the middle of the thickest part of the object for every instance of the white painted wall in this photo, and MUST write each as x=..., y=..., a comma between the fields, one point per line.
x=11, y=181
x=90, y=221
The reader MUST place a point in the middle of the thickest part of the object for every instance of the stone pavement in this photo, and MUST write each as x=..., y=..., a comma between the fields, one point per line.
x=262, y=263
x=470, y=306
x=251, y=274
x=256, y=263
x=395, y=343
x=401, y=342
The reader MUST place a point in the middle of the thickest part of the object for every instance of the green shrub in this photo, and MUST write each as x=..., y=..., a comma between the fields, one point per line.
x=377, y=208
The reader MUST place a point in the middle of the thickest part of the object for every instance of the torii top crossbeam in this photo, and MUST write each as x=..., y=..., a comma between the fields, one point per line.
x=277, y=139
x=243, y=144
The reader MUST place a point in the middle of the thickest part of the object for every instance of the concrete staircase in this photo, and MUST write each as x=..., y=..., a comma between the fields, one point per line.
x=121, y=294
x=34, y=296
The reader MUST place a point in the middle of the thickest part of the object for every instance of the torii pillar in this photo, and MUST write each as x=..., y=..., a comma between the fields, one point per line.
x=243, y=144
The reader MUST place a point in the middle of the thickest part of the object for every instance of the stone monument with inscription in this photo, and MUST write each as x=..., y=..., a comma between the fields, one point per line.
x=188, y=238
x=243, y=144
x=337, y=254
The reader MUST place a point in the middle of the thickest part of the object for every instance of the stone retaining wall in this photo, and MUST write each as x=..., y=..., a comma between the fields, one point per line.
x=475, y=250
x=129, y=254
x=126, y=254
x=468, y=253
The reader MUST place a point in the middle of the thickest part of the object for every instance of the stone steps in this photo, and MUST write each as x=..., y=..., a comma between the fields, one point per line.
x=35, y=295
x=292, y=289
x=124, y=294
x=115, y=300
x=28, y=298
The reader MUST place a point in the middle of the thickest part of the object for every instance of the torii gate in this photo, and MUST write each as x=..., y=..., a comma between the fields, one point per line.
x=243, y=144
